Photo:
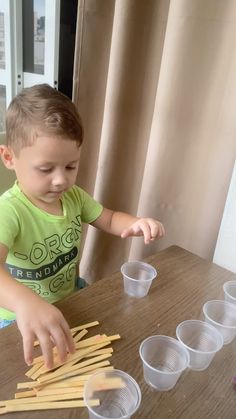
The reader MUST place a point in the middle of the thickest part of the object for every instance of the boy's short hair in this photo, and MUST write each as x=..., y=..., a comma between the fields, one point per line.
x=41, y=110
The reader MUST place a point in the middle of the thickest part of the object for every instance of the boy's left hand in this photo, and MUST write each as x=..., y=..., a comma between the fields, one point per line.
x=148, y=227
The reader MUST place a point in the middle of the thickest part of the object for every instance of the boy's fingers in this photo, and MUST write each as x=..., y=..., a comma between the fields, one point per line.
x=63, y=340
x=132, y=230
x=68, y=336
x=28, y=347
x=157, y=230
x=146, y=231
x=150, y=229
x=46, y=348
x=59, y=339
x=162, y=231
x=125, y=233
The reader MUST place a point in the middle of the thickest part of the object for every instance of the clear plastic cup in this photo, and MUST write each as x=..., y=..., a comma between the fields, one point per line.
x=137, y=277
x=118, y=394
x=202, y=340
x=230, y=291
x=222, y=315
x=164, y=359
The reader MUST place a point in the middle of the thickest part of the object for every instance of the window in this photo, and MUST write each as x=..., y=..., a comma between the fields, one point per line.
x=33, y=36
x=29, y=45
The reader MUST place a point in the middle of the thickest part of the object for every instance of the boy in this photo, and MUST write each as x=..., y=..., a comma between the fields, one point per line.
x=42, y=215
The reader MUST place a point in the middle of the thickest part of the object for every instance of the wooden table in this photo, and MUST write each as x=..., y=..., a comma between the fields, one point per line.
x=184, y=283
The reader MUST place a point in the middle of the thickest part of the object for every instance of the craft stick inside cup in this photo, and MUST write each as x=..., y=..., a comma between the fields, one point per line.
x=108, y=384
x=118, y=393
x=103, y=382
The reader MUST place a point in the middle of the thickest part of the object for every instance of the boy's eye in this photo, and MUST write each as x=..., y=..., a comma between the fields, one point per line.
x=70, y=167
x=45, y=169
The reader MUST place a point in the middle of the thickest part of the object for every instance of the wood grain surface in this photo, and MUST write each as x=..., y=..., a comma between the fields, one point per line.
x=184, y=283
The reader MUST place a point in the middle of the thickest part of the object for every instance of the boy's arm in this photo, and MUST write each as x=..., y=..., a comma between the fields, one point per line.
x=36, y=319
x=125, y=225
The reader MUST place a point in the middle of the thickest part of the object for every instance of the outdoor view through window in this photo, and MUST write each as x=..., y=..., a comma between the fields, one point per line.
x=33, y=41
x=33, y=36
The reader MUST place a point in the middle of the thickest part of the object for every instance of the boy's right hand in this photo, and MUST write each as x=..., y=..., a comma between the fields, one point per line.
x=39, y=320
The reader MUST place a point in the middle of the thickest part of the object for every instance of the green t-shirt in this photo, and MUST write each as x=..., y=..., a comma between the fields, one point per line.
x=44, y=248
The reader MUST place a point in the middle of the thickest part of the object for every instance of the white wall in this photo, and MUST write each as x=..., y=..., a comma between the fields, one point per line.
x=225, y=251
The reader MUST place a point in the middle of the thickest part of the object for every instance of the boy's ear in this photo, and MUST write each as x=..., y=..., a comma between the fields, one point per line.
x=7, y=156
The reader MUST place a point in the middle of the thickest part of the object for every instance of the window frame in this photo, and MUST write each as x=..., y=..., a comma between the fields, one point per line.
x=13, y=77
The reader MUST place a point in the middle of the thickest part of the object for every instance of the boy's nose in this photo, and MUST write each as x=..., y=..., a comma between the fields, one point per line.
x=59, y=179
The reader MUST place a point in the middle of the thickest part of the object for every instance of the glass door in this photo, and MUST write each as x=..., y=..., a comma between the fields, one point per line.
x=29, y=47
x=6, y=65
x=41, y=21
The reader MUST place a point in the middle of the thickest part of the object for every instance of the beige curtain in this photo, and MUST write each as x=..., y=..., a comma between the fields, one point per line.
x=155, y=83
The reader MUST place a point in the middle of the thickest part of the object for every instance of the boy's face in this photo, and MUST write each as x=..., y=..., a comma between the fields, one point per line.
x=46, y=169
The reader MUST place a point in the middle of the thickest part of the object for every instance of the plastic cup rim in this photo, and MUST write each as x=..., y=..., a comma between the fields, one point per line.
x=170, y=338
x=154, y=271
x=225, y=290
x=222, y=302
x=197, y=351
x=134, y=382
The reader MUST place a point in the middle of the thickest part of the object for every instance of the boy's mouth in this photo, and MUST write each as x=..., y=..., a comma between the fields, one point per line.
x=55, y=192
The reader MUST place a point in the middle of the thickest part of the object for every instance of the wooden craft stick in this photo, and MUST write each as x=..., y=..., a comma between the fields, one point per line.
x=26, y=384
x=113, y=337
x=77, y=338
x=74, y=368
x=28, y=393
x=83, y=354
x=45, y=406
x=71, y=359
x=80, y=335
x=73, y=373
x=84, y=326
x=43, y=399
x=52, y=391
x=35, y=375
x=40, y=357
x=63, y=386
x=76, y=381
x=95, y=340
x=76, y=357
x=99, y=352
x=64, y=382
x=37, y=385
x=89, y=361
x=71, y=382
x=108, y=383
x=34, y=368
x=109, y=368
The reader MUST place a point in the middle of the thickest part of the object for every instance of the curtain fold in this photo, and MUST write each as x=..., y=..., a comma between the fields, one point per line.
x=155, y=85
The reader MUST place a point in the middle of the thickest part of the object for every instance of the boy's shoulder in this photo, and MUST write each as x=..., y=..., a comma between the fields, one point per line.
x=9, y=205
x=8, y=195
